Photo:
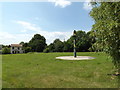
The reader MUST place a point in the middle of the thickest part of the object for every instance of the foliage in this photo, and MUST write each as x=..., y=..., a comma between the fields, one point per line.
x=37, y=43
x=58, y=45
x=66, y=47
x=22, y=43
x=51, y=47
x=27, y=49
x=5, y=50
x=107, y=28
x=46, y=50
x=82, y=41
x=25, y=45
x=0, y=49
x=92, y=43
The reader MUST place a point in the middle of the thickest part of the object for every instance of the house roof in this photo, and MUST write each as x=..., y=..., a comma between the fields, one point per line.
x=16, y=45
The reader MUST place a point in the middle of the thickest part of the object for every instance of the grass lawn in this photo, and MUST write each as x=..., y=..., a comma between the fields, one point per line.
x=42, y=70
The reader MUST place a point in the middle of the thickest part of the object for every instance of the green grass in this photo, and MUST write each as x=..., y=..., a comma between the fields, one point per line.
x=42, y=70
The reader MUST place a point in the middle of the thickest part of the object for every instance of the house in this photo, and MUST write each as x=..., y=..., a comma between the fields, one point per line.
x=16, y=48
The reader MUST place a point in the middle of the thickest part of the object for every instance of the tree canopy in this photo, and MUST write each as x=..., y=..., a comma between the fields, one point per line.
x=37, y=43
x=82, y=41
x=107, y=28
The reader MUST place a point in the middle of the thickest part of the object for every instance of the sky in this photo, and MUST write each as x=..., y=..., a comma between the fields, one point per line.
x=52, y=19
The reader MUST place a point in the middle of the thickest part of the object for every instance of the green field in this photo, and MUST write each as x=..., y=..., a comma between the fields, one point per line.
x=42, y=70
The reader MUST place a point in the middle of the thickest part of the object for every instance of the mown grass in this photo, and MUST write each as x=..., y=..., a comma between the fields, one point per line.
x=42, y=70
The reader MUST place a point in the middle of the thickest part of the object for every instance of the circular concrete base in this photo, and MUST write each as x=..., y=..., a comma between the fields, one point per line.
x=73, y=58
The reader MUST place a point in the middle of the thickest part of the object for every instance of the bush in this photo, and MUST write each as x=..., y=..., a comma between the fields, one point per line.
x=0, y=51
x=46, y=50
x=27, y=49
x=6, y=50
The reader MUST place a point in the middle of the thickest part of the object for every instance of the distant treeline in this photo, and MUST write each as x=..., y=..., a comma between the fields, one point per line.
x=0, y=49
x=84, y=42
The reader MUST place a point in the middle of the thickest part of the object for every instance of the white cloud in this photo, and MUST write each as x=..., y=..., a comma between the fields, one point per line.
x=61, y=3
x=8, y=38
x=28, y=26
x=24, y=31
x=50, y=36
x=87, y=5
x=6, y=35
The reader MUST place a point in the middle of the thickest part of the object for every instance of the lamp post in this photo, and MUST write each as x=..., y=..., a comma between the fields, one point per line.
x=74, y=35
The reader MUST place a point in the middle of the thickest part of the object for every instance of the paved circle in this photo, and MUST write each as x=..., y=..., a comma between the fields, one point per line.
x=73, y=58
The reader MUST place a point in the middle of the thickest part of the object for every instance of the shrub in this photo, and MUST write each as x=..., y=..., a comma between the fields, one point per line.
x=6, y=50
x=27, y=49
x=46, y=50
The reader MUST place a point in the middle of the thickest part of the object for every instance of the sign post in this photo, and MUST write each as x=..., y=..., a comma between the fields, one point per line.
x=74, y=35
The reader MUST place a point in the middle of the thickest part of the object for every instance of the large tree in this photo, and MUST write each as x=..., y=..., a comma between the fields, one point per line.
x=82, y=41
x=37, y=43
x=66, y=47
x=58, y=45
x=107, y=28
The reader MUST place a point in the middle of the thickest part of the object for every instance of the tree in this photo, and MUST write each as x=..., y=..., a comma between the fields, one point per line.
x=0, y=49
x=22, y=43
x=27, y=49
x=25, y=45
x=92, y=41
x=82, y=41
x=107, y=29
x=66, y=47
x=6, y=50
x=58, y=45
x=37, y=43
x=46, y=50
x=51, y=47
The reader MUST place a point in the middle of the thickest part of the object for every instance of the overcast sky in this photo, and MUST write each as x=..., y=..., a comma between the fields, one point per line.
x=52, y=19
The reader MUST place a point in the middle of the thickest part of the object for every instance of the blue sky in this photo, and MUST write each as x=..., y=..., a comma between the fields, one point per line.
x=52, y=19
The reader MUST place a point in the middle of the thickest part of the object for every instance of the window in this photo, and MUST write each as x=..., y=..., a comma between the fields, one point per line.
x=18, y=48
x=12, y=47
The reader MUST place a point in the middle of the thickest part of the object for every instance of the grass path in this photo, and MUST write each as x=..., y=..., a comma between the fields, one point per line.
x=42, y=70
